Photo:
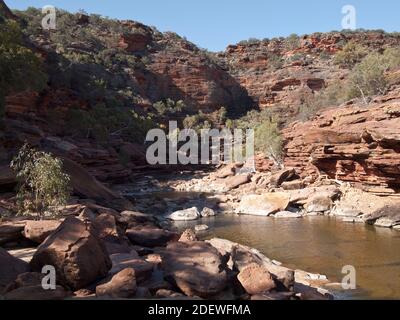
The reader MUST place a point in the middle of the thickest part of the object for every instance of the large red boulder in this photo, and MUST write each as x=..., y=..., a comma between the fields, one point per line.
x=77, y=254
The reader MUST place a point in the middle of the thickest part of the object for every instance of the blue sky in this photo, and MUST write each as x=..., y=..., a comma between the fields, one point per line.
x=213, y=24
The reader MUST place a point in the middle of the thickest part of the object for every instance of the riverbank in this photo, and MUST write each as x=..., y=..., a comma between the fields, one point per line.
x=102, y=253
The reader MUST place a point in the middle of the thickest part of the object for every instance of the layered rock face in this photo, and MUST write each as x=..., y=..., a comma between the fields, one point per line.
x=352, y=143
x=275, y=74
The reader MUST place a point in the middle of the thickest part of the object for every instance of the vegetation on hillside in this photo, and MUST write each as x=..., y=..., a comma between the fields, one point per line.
x=44, y=187
x=20, y=67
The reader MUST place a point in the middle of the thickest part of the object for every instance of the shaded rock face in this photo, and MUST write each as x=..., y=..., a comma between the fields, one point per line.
x=122, y=285
x=10, y=268
x=76, y=253
x=353, y=144
x=196, y=268
x=11, y=231
x=28, y=286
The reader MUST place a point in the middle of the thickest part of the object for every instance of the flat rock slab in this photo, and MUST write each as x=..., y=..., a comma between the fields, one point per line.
x=25, y=254
x=287, y=215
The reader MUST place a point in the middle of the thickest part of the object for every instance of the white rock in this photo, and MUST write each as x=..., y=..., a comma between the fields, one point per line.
x=288, y=214
x=185, y=215
x=201, y=227
x=384, y=223
x=207, y=212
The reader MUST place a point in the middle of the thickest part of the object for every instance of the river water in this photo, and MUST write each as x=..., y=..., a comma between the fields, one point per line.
x=320, y=245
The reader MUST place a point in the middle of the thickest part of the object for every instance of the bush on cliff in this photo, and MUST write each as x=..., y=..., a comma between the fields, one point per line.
x=44, y=187
x=19, y=66
x=369, y=76
x=102, y=122
x=268, y=140
x=351, y=54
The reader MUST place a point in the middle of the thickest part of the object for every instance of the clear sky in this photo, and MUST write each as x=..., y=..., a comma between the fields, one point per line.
x=213, y=24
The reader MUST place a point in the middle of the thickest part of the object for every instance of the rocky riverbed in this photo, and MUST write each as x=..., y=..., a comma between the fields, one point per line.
x=100, y=252
x=103, y=253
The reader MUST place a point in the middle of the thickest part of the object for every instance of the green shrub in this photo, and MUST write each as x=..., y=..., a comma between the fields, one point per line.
x=44, y=187
x=351, y=54
x=292, y=42
x=169, y=107
x=368, y=77
x=102, y=121
x=20, y=68
x=275, y=62
x=222, y=114
x=268, y=140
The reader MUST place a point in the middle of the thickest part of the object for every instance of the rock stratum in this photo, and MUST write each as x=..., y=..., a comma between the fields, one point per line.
x=351, y=144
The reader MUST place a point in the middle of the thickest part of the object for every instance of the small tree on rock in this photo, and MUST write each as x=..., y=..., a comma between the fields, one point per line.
x=44, y=187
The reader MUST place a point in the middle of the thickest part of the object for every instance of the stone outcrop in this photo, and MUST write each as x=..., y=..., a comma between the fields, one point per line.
x=353, y=143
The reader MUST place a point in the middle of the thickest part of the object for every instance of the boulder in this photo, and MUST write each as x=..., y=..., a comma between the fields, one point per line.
x=28, y=286
x=318, y=203
x=388, y=214
x=121, y=286
x=196, y=268
x=185, y=215
x=106, y=227
x=236, y=181
x=385, y=223
x=75, y=251
x=188, y=235
x=201, y=227
x=292, y=185
x=281, y=176
x=151, y=237
x=227, y=171
x=263, y=205
x=36, y=293
x=38, y=231
x=207, y=212
x=10, y=268
x=302, y=195
x=241, y=256
x=256, y=279
x=121, y=261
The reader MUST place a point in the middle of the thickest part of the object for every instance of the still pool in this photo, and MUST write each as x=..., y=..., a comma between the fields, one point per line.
x=320, y=245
